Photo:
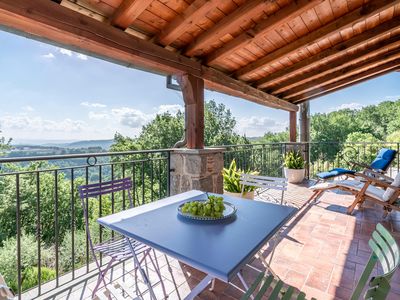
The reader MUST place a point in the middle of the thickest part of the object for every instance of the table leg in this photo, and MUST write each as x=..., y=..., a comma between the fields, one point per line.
x=199, y=288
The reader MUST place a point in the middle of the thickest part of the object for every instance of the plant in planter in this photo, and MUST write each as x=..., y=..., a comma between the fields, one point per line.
x=294, y=163
x=232, y=184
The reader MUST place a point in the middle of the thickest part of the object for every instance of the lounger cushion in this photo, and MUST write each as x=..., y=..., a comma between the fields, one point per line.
x=351, y=184
x=334, y=172
x=383, y=159
x=389, y=192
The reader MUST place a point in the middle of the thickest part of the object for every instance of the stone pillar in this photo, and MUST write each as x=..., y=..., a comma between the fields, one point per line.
x=197, y=169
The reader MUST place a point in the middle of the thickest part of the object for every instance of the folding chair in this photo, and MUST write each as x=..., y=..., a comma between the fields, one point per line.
x=117, y=248
x=265, y=185
x=380, y=164
x=384, y=250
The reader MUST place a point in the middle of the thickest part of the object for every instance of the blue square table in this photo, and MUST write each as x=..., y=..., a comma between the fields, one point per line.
x=219, y=249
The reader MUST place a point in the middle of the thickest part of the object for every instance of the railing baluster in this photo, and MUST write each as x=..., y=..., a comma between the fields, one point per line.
x=73, y=221
x=100, y=214
x=38, y=234
x=18, y=225
x=142, y=177
x=56, y=224
x=87, y=209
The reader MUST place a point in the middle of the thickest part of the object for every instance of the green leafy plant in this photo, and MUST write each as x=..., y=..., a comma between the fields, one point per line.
x=232, y=179
x=293, y=160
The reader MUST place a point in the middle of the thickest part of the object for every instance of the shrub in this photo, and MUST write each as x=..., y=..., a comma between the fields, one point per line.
x=293, y=160
x=29, y=254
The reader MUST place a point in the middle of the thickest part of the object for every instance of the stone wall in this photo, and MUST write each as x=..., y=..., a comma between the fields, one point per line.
x=197, y=169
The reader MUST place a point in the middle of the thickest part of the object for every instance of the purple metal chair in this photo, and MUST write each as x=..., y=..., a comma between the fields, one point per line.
x=117, y=248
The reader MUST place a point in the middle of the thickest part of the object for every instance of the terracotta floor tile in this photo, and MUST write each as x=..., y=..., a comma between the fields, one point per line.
x=319, y=279
x=295, y=279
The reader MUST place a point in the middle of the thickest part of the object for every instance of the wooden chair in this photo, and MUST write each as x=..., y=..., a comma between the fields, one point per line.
x=380, y=164
x=384, y=249
x=378, y=188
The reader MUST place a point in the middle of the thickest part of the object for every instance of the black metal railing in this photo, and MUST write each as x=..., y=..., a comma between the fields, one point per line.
x=267, y=158
x=42, y=223
x=43, y=244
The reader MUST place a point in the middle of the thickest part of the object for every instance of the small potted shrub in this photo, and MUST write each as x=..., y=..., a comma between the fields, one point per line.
x=232, y=186
x=294, y=163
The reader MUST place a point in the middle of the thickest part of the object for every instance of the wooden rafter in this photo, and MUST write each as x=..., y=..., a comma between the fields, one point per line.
x=233, y=87
x=197, y=10
x=341, y=73
x=273, y=21
x=49, y=21
x=336, y=65
x=346, y=82
x=223, y=27
x=367, y=10
x=128, y=11
x=343, y=86
x=284, y=77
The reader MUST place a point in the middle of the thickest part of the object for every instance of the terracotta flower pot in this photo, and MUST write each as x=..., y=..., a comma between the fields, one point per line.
x=294, y=175
x=246, y=195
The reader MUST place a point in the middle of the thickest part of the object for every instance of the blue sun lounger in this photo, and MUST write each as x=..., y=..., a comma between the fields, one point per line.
x=380, y=164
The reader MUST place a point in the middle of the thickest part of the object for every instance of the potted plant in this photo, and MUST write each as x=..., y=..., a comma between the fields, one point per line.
x=232, y=184
x=294, y=163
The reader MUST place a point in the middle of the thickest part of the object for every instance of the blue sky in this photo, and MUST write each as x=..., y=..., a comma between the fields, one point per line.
x=50, y=93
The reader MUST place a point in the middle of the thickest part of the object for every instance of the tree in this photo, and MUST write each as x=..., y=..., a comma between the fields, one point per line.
x=275, y=137
x=4, y=144
x=166, y=129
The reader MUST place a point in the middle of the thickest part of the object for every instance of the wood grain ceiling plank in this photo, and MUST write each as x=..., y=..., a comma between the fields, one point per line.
x=223, y=27
x=270, y=24
x=372, y=8
x=330, y=53
x=192, y=15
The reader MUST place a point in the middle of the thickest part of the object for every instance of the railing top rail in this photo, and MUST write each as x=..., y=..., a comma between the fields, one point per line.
x=83, y=155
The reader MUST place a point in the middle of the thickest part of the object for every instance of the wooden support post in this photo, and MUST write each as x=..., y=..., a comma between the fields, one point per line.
x=193, y=94
x=292, y=126
x=305, y=133
x=305, y=122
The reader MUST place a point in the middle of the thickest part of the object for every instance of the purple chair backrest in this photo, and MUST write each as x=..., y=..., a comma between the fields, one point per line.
x=102, y=188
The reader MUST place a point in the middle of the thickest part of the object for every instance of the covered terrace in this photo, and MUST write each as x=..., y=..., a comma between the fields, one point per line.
x=279, y=54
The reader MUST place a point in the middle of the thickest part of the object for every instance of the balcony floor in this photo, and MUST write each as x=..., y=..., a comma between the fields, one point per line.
x=322, y=252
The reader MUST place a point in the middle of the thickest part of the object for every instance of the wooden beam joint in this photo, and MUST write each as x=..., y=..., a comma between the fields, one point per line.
x=193, y=94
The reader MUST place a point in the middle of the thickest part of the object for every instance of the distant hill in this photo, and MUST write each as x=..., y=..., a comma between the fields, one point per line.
x=105, y=144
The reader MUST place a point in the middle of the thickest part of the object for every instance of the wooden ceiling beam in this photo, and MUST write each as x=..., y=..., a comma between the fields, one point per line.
x=192, y=15
x=345, y=72
x=343, y=86
x=273, y=21
x=225, y=25
x=348, y=81
x=128, y=12
x=52, y=23
x=216, y=80
x=367, y=10
x=336, y=65
x=283, y=75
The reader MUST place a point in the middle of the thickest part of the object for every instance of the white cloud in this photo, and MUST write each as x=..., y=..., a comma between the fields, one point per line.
x=171, y=108
x=392, y=97
x=48, y=55
x=65, y=52
x=257, y=126
x=98, y=116
x=38, y=124
x=352, y=105
x=93, y=104
x=131, y=117
x=28, y=108
x=81, y=56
